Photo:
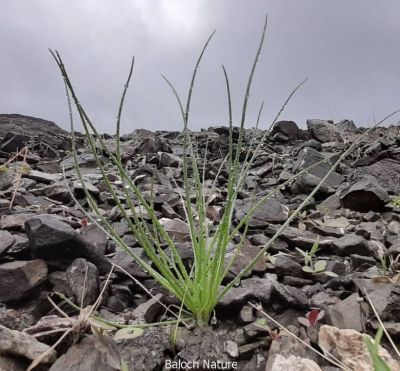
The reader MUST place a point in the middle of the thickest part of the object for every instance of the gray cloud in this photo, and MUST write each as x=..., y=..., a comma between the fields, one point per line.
x=349, y=50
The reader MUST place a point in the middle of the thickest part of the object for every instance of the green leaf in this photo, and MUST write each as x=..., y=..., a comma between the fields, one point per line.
x=320, y=265
x=373, y=349
x=330, y=274
x=308, y=269
x=128, y=333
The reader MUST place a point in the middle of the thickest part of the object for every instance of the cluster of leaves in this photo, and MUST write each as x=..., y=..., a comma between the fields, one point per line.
x=311, y=265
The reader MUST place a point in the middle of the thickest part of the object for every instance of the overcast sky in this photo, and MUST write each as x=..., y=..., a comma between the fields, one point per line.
x=348, y=49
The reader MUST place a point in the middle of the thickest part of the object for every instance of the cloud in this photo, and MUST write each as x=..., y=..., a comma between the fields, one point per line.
x=348, y=50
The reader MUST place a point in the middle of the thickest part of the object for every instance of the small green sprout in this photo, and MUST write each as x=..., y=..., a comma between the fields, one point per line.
x=312, y=266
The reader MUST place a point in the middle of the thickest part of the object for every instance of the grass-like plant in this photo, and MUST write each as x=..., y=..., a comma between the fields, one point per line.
x=199, y=288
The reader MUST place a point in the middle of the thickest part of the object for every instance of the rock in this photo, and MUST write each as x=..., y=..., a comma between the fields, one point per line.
x=270, y=211
x=6, y=241
x=60, y=283
x=168, y=159
x=288, y=128
x=360, y=262
x=350, y=244
x=36, y=129
x=151, y=145
x=250, y=289
x=347, y=314
x=386, y=171
x=149, y=310
x=290, y=296
x=14, y=364
x=135, y=352
x=207, y=345
x=83, y=279
x=384, y=296
x=364, y=195
x=285, y=346
x=310, y=156
x=324, y=131
x=92, y=353
x=13, y=142
x=41, y=177
x=96, y=236
x=22, y=277
x=128, y=263
x=284, y=266
x=299, y=238
x=349, y=347
x=346, y=125
x=177, y=229
x=14, y=222
x=306, y=183
x=50, y=238
x=242, y=259
x=19, y=344
x=292, y=363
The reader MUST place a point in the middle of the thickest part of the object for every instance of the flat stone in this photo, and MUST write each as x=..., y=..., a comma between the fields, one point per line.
x=6, y=241
x=350, y=244
x=41, y=177
x=291, y=296
x=270, y=211
x=347, y=314
x=18, y=278
x=92, y=353
x=16, y=343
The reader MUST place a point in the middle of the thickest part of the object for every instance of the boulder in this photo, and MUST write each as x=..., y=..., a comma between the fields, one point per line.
x=364, y=195
x=324, y=131
x=51, y=238
x=288, y=128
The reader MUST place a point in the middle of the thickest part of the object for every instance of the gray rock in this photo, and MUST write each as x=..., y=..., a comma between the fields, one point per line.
x=135, y=352
x=50, y=238
x=364, y=195
x=168, y=159
x=285, y=346
x=346, y=125
x=324, y=131
x=386, y=171
x=350, y=244
x=41, y=177
x=83, y=279
x=41, y=130
x=92, y=353
x=6, y=241
x=384, y=296
x=250, y=289
x=18, y=278
x=290, y=296
x=13, y=142
x=149, y=310
x=347, y=314
x=285, y=266
x=270, y=211
x=16, y=343
x=288, y=128
x=310, y=156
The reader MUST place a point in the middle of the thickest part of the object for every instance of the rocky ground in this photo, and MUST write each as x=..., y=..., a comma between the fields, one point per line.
x=47, y=246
